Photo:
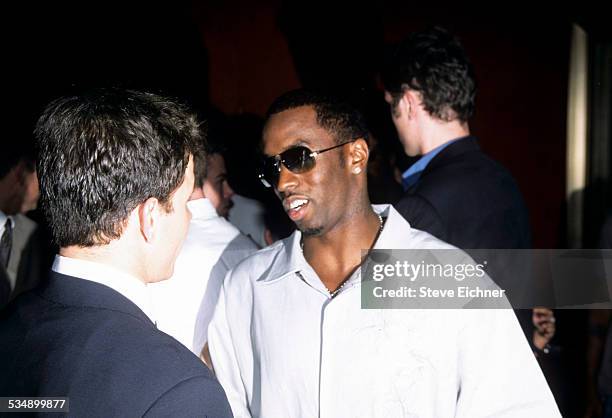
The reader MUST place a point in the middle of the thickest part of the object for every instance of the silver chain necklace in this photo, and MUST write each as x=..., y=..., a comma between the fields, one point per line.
x=335, y=292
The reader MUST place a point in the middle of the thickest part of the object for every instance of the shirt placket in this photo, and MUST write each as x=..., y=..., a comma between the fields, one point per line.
x=330, y=323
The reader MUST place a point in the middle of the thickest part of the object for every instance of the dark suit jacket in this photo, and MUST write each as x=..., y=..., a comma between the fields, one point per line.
x=81, y=339
x=468, y=200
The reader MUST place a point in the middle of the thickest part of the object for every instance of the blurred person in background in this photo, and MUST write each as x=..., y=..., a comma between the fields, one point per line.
x=22, y=247
x=184, y=304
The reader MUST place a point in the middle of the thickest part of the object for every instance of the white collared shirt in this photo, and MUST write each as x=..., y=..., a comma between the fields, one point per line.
x=184, y=304
x=283, y=348
x=127, y=285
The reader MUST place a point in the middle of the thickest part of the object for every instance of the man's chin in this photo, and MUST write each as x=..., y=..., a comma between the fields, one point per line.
x=311, y=232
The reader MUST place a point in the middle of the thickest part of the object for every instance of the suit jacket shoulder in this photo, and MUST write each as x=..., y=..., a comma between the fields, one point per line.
x=422, y=215
x=475, y=198
x=84, y=340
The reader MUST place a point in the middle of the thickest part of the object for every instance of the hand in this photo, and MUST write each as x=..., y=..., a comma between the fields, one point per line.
x=544, y=323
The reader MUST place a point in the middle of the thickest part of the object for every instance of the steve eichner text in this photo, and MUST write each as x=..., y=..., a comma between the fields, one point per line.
x=412, y=271
x=426, y=292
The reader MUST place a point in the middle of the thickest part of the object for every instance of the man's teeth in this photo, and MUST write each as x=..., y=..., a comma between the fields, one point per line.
x=297, y=203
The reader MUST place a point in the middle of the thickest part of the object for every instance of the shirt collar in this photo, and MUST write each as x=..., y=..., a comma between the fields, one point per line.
x=127, y=285
x=413, y=173
x=202, y=209
x=290, y=258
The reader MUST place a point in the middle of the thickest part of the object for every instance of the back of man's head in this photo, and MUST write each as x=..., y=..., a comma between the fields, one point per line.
x=434, y=63
x=103, y=153
x=335, y=115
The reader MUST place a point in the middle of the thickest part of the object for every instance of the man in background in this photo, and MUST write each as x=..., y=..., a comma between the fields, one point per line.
x=185, y=303
x=21, y=249
x=216, y=187
x=455, y=191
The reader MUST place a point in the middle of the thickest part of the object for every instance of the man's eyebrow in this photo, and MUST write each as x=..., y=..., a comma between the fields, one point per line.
x=296, y=143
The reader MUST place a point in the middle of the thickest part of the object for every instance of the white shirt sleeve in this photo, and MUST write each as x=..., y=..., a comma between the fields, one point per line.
x=499, y=374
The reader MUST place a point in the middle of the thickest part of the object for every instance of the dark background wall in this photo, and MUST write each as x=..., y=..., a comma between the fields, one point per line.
x=238, y=56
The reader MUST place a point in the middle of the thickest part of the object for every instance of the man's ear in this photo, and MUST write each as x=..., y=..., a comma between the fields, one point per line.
x=411, y=100
x=148, y=214
x=359, y=152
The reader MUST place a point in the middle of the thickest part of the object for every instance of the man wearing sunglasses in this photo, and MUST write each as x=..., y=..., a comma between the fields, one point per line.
x=289, y=337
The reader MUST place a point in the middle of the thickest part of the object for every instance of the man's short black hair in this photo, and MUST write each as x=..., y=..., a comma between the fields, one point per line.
x=335, y=115
x=104, y=152
x=434, y=63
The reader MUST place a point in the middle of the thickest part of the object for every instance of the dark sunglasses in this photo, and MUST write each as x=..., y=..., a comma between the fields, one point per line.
x=299, y=159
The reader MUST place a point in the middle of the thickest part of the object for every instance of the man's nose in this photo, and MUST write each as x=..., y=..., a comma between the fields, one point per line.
x=287, y=181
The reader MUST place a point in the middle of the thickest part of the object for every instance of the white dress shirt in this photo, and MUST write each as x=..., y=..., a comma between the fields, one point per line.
x=184, y=304
x=129, y=286
x=248, y=216
x=282, y=348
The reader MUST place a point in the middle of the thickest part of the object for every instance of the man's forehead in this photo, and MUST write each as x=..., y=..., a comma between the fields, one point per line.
x=291, y=127
x=216, y=164
x=291, y=121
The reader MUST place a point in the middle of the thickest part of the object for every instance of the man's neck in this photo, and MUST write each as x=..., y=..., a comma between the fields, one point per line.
x=112, y=255
x=437, y=133
x=336, y=254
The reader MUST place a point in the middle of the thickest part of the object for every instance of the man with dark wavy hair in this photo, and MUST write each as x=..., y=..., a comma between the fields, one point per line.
x=454, y=191
x=116, y=171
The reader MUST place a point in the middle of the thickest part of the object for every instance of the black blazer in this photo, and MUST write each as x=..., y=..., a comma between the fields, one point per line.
x=76, y=338
x=468, y=200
